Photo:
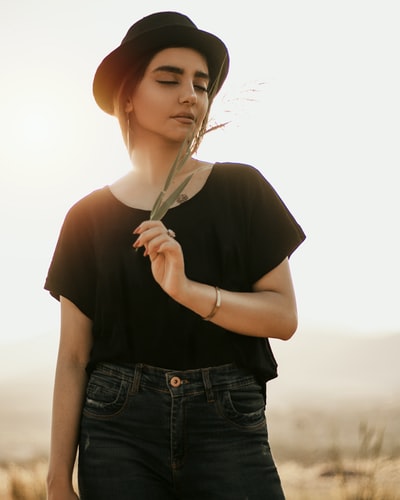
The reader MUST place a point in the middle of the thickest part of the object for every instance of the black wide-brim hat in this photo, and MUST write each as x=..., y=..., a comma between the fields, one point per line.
x=152, y=33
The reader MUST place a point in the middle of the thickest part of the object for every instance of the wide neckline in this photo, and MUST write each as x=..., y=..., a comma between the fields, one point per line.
x=108, y=190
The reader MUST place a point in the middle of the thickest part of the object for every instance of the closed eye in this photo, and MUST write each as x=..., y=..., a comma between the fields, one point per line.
x=168, y=82
x=201, y=88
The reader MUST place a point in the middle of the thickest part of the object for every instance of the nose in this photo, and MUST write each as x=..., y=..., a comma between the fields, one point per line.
x=188, y=95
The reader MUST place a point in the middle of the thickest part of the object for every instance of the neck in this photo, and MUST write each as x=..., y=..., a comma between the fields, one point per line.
x=152, y=164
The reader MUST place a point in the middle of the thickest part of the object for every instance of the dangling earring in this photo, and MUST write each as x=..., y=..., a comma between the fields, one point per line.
x=128, y=133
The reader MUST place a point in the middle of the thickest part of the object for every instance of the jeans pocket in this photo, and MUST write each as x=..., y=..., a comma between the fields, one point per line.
x=243, y=406
x=105, y=395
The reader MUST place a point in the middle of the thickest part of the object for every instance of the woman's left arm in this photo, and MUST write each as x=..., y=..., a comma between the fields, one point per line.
x=268, y=311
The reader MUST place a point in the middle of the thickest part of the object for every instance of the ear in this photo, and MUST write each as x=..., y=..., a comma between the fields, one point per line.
x=128, y=106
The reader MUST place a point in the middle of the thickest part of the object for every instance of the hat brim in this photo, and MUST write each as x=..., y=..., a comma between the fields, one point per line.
x=114, y=67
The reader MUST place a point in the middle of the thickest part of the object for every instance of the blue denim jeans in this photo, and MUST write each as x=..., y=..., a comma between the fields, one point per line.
x=154, y=434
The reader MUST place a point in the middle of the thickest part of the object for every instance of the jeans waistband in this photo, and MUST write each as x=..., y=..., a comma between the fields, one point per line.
x=179, y=382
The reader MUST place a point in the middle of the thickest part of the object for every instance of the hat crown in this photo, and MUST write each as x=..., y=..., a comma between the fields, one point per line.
x=156, y=21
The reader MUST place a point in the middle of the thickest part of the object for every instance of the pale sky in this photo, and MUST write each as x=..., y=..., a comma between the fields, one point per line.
x=313, y=99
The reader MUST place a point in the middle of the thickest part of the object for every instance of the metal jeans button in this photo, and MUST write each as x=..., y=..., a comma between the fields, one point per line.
x=175, y=381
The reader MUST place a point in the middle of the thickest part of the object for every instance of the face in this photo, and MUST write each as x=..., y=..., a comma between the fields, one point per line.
x=172, y=98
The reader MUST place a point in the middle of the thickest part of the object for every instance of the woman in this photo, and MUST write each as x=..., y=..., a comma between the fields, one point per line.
x=164, y=352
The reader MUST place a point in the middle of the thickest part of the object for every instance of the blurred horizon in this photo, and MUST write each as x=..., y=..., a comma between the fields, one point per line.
x=325, y=382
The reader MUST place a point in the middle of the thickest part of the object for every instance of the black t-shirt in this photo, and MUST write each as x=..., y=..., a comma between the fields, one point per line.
x=232, y=232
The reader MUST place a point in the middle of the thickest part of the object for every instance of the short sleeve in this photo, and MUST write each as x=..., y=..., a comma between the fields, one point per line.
x=273, y=233
x=72, y=270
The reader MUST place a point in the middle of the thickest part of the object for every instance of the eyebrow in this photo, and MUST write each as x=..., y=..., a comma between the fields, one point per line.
x=180, y=71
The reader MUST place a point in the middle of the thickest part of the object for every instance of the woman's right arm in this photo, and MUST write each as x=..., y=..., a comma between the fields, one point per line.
x=69, y=391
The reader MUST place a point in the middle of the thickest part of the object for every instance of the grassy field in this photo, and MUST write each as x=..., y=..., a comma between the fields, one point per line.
x=321, y=455
x=334, y=430
x=314, y=467
x=349, y=480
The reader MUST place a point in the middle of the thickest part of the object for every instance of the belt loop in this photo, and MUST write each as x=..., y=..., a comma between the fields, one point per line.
x=207, y=384
x=137, y=375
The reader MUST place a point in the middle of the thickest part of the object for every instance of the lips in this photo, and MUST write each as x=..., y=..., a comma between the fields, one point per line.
x=184, y=118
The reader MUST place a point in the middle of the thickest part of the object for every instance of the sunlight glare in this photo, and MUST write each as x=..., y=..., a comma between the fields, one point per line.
x=36, y=130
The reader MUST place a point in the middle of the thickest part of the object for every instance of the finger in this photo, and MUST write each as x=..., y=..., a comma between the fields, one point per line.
x=149, y=224
x=146, y=235
x=160, y=244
